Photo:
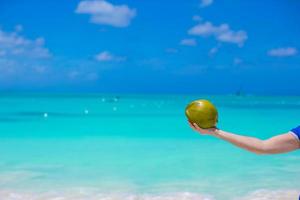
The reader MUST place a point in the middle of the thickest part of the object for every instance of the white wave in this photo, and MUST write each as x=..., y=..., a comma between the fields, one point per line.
x=82, y=194
x=94, y=194
x=271, y=194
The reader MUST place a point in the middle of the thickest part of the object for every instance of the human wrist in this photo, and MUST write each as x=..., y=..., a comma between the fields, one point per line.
x=216, y=132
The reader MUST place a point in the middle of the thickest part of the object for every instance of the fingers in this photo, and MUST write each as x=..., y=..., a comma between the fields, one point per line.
x=201, y=130
x=196, y=126
x=192, y=126
x=190, y=123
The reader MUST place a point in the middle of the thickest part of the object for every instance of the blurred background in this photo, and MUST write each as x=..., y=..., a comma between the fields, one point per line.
x=93, y=94
x=128, y=46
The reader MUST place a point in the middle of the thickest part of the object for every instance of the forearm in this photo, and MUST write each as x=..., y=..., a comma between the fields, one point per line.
x=248, y=143
x=281, y=143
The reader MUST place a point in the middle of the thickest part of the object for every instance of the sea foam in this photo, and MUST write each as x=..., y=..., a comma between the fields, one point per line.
x=92, y=194
x=82, y=194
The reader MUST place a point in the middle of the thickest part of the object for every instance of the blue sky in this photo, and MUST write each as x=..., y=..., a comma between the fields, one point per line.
x=195, y=46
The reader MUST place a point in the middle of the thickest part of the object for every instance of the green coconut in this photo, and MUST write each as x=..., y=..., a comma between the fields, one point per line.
x=203, y=113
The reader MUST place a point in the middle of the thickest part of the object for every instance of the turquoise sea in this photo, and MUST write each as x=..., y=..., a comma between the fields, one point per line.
x=140, y=147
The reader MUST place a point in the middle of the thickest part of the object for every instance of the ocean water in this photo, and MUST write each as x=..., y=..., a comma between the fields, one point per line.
x=140, y=147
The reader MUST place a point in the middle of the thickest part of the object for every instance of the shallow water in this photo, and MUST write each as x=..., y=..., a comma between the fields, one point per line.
x=140, y=147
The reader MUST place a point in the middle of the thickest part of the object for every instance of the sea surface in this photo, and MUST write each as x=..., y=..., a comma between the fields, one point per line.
x=140, y=147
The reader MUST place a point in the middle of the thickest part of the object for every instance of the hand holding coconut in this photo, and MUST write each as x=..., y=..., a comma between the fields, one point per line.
x=203, y=117
x=207, y=131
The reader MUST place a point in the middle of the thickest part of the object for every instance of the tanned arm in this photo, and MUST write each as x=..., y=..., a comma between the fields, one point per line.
x=278, y=144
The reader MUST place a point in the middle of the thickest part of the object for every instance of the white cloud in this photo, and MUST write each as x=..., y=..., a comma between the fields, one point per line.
x=205, y=29
x=103, y=12
x=22, y=58
x=106, y=56
x=283, y=52
x=205, y=3
x=222, y=33
x=230, y=36
x=27, y=60
x=14, y=44
x=188, y=42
